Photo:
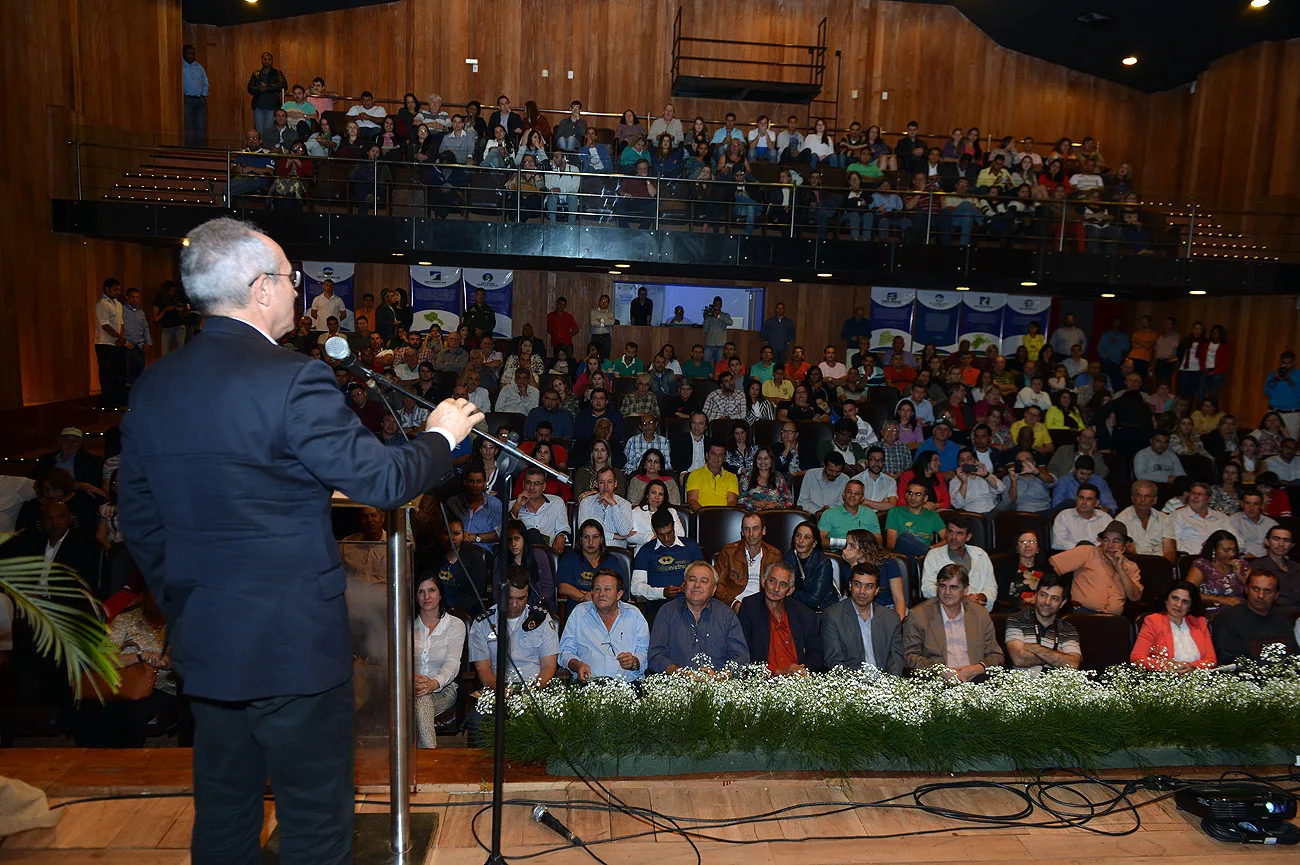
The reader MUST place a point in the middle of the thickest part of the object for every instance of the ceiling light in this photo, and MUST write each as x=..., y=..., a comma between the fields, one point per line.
x=1029, y=283
x=825, y=275
x=1197, y=291
x=397, y=254
x=1107, y=294
x=185, y=241
x=622, y=265
x=1258, y=4
x=426, y=264
x=786, y=279
x=963, y=288
x=1130, y=61
x=251, y=2
x=616, y=273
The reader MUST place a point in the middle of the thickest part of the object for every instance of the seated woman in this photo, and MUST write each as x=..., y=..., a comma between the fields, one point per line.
x=814, y=575
x=1208, y=416
x=352, y=146
x=910, y=430
x=855, y=208
x=1225, y=496
x=293, y=175
x=579, y=565
x=1064, y=414
x=518, y=552
x=1247, y=460
x=1184, y=440
x=861, y=546
x=324, y=142
x=584, y=479
x=1222, y=440
x=1269, y=435
x=1175, y=641
x=651, y=469
x=528, y=185
x=439, y=642
x=535, y=146
x=740, y=453
x=801, y=408
x=653, y=498
x=544, y=453
x=764, y=487
x=140, y=634
x=666, y=159
x=925, y=470
x=1220, y=571
x=524, y=359
x=1132, y=232
x=498, y=152
x=1018, y=575
x=390, y=141
x=370, y=181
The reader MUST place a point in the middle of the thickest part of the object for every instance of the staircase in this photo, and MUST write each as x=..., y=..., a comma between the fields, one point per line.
x=174, y=175
x=1212, y=239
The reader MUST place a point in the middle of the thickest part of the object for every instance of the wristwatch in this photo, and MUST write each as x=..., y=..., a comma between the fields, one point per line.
x=478, y=538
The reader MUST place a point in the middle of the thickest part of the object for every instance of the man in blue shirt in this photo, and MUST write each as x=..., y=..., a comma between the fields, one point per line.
x=250, y=172
x=855, y=327
x=605, y=637
x=194, y=84
x=1112, y=347
x=1067, y=487
x=660, y=566
x=135, y=329
x=726, y=131
x=479, y=512
x=940, y=441
x=561, y=421
x=695, y=624
x=778, y=332
x=1283, y=391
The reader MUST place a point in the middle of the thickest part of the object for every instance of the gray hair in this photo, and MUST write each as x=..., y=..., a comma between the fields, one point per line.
x=699, y=563
x=952, y=572
x=779, y=566
x=222, y=257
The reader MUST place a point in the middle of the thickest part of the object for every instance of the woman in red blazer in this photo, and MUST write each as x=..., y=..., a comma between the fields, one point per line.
x=1155, y=648
x=1216, y=354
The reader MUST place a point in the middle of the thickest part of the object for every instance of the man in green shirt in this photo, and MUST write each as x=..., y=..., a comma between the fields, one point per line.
x=299, y=110
x=838, y=521
x=697, y=367
x=625, y=365
x=762, y=371
x=480, y=317
x=912, y=528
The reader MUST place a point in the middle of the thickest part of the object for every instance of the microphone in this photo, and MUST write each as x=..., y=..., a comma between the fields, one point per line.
x=507, y=462
x=337, y=349
x=547, y=819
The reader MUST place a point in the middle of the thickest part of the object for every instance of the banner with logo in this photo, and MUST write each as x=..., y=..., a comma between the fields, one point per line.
x=936, y=319
x=314, y=273
x=435, y=298
x=1019, y=311
x=498, y=285
x=981, y=319
x=891, y=316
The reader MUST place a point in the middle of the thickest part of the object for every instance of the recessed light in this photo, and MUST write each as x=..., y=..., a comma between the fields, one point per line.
x=622, y=265
x=963, y=288
x=426, y=264
x=825, y=275
x=1197, y=291
x=616, y=272
x=397, y=254
x=1258, y=4
x=1130, y=60
x=1107, y=294
x=1029, y=283
x=185, y=241
x=786, y=279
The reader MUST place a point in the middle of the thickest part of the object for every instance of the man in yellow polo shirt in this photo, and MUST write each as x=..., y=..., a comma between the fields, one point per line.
x=711, y=484
x=1042, y=437
x=778, y=388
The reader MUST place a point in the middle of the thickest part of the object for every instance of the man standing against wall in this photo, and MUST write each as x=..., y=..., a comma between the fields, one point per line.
x=194, y=84
x=110, y=350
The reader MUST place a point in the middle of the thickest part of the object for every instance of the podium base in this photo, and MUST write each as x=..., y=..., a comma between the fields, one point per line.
x=370, y=840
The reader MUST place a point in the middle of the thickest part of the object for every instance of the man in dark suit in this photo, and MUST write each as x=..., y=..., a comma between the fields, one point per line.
x=847, y=624
x=230, y=454
x=684, y=446
x=780, y=631
x=86, y=469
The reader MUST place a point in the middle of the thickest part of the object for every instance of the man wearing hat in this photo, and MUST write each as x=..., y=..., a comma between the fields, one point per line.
x=1103, y=577
x=86, y=469
x=940, y=441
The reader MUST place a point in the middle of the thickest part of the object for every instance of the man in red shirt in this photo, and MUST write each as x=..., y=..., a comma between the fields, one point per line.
x=780, y=631
x=561, y=327
x=898, y=373
x=796, y=368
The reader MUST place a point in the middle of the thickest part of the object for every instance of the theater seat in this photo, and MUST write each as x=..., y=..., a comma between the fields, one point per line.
x=497, y=419
x=780, y=525
x=1199, y=468
x=981, y=527
x=1156, y=574
x=1000, y=631
x=1010, y=525
x=811, y=436
x=1104, y=640
x=717, y=527
x=885, y=394
x=720, y=430
x=765, y=433
x=624, y=558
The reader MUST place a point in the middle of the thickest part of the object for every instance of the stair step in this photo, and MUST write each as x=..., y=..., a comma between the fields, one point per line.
x=179, y=184
x=166, y=197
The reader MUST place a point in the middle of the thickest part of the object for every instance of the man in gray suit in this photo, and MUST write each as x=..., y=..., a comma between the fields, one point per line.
x=952, y=632
x=857, y=633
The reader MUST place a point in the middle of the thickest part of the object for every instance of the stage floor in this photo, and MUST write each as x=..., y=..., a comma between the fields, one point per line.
x=156, y=832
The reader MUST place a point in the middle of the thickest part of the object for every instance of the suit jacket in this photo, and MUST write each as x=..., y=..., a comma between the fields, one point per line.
x=79, y=551
x=755, y=621
x=680, y=448
x=1154, y=647
x=926, y=645
x=86, y=468
x=230, y=454
x=733, y=572
x=842, y=638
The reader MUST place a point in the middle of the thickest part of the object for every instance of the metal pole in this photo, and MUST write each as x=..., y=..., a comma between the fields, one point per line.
x=519, y=195
x=77, y=149
x=1191, y=231
x=793, y=190
x=230, y=199
x=929, y=216
x=658, y=187
x=1060, y=239
x=374, y=208
x=400, y=681
x=501, y=595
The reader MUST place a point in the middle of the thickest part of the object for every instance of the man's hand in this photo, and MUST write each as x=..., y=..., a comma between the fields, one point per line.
x=671, y=592
x=557, y=544
x=581, y=671
x=628, y=661
x=456, y=416
x=793, y=670
x=979, y=598
x=968, y=672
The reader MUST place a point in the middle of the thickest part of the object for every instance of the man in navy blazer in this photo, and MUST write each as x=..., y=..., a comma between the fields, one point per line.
x=781, y=632
x=230, y=454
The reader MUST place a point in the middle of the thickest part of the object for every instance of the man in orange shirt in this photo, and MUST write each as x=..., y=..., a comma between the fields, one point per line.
x=1142, y=346
x=898, y=373
x=796, y=368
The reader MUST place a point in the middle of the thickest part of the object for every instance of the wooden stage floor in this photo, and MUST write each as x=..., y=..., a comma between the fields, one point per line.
x=453, y=783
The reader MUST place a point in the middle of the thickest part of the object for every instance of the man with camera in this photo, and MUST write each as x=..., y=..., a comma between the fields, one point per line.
x=1283, y=391
x=716, y=323
x=974, y=488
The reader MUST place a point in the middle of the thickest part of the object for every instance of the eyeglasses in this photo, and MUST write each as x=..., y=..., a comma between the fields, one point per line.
x=294, y=276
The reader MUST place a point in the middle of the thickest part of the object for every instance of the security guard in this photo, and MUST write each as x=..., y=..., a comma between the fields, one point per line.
x=534, y=638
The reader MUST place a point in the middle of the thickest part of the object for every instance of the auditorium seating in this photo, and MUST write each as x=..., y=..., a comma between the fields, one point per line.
x=780, y=525
x=717, y=527
x=1104, y=640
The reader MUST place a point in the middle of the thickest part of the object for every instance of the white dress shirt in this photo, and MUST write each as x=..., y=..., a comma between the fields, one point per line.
x=438, y=650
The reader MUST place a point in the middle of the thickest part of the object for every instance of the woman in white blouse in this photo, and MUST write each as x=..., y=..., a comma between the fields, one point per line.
x=439, y=645
x=654, y=498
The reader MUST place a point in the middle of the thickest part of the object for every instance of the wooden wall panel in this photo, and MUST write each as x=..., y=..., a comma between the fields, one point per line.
x=96, y=62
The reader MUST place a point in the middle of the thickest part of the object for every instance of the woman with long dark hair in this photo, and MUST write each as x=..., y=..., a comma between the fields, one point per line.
x=740, y=453
x=765, y=487
x=814, y=575
x=517, y=552
x=654, y=498
x=649, y=470
x=578, y=566
x=861, y=546
x=438, y=640
x=925, y=470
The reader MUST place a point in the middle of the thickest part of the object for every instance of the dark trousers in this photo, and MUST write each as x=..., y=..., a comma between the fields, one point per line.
x=135, y=359
x=112, y=375
x=196, y=121
x=305, y=745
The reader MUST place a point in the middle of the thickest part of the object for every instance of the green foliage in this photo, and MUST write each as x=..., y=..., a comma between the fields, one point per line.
x=844, y=719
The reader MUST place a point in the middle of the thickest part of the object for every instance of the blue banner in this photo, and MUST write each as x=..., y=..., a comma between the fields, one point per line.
x=316, y=272
x=498, y=286
x=891, y=316
x=981, y=319
x=1020, y=310
x=936, y=319
x=435, y=298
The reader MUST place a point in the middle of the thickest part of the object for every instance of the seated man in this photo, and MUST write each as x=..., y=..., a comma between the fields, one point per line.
x=823, y=489
x=779, y=630
x=843, y=442
x=1241, y=631
x=1033, y=421
x=1038, y=638
x=641, y=402
x=649, y=438
x=1103, y=576
x=1189, y=526
x=250, y=171
x=857, y=632
x=696, y=625
x=838, y=521
x=480, y=512
x=973, y=561
x=605, y=637
x=1158, y=463
x=534, y=642
x=85, y=469
x=545, y=515
x=1080, y=523
x=521, y=397
x=741, y=564
x=1067, y=485
x=660, y=566
x=1145, y=524
x=1278, y=544
x=940, y=441
x=1029, y=485
x=561, y=422
x=608, y=508
x=462, y=568
x=951, y=631
x=974, y=488
x=711, y=484
x=911, y=528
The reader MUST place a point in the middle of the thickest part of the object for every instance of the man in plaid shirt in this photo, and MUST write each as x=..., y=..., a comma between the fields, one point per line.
x=726, y=401
x=641, y=401
x=649, y=438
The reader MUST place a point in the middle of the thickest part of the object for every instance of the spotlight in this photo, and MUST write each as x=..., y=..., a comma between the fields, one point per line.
x=1028, y=283
x=1107, y=294
x=963, y=288
x=185, y=241
x=616, y=273
x=786, y=279
x=426, y=264
x=825, y=275
x=623, y=265
x=1258, y=4
x=1130, y=60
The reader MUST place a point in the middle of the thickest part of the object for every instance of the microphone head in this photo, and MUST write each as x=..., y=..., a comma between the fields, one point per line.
x=337, y=348
x=539, y=811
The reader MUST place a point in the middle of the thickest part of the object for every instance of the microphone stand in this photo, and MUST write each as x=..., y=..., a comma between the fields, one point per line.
x=500, y=592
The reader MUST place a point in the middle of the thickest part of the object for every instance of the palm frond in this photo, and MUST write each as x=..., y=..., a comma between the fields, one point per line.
x=56, y=611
